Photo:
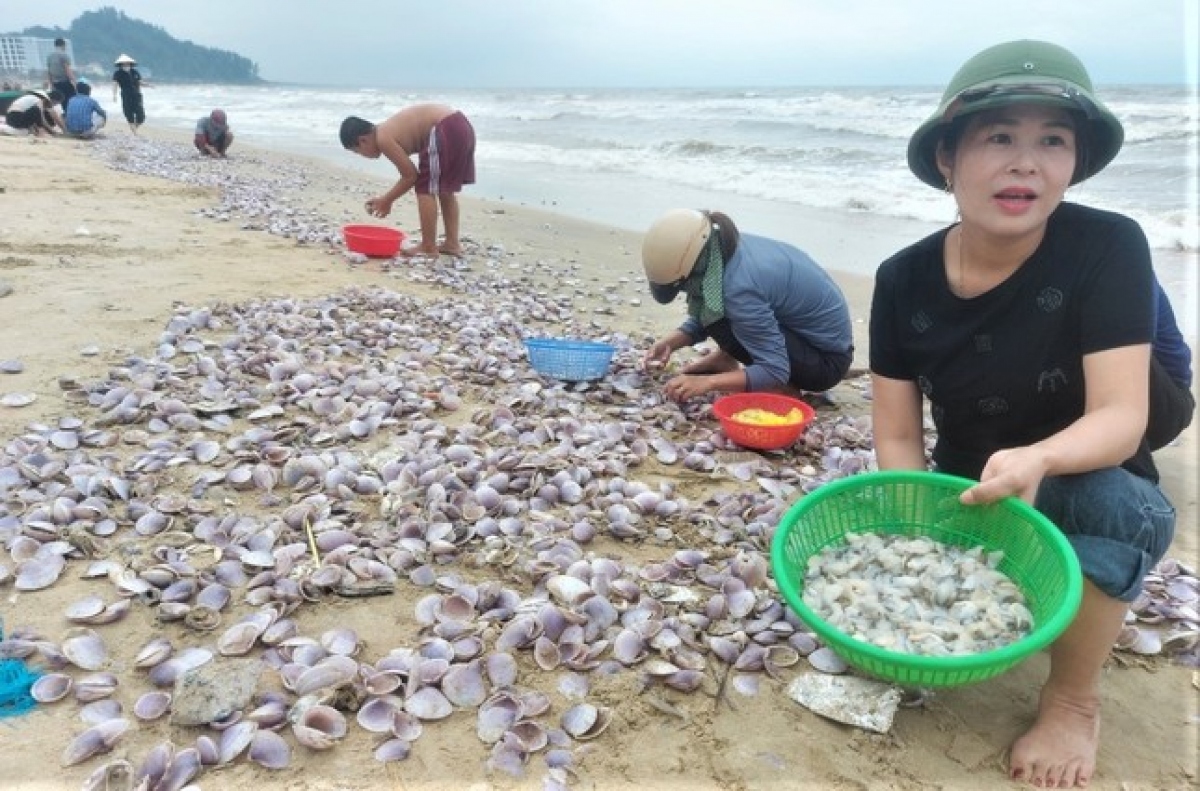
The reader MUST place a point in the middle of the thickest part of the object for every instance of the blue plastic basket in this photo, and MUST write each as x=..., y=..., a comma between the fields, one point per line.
x=574, y=361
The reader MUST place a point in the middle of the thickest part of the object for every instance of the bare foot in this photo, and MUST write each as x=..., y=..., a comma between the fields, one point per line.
x=455, y=251
x=715, y=362
x=419, y=251
x=1059, y=751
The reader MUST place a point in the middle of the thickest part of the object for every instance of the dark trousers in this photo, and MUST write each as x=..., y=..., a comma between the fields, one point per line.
x=28, y=119
x=66, y=89
x=131, y=106
x=1171, y=407
x=813, y=370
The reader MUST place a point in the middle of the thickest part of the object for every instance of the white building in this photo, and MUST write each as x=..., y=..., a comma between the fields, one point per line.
x=27, y=54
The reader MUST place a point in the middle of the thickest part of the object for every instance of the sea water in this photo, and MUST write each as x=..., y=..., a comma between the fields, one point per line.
x=622, y=156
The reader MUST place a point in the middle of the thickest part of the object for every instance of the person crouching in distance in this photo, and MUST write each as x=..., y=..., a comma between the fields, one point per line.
x=213, y=135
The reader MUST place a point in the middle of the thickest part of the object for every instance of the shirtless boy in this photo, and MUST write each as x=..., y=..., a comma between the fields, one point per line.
x=444, y=142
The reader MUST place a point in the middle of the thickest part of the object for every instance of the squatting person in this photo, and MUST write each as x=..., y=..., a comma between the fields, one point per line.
x=779, y=321
x=1028, y=326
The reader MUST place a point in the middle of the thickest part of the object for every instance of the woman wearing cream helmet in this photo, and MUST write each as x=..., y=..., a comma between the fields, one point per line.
x=1027, y=325
x=778, y=319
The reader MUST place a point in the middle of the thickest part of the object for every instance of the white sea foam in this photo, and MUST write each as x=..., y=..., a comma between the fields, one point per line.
x=827, y=148
x=621, y=156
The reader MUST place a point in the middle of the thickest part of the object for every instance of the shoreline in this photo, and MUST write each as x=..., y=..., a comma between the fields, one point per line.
x=823, y=233
x=101, y=260
x=848, y=242
x=614, y=248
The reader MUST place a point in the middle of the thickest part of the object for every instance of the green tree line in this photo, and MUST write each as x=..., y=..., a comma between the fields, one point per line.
x=100, y=36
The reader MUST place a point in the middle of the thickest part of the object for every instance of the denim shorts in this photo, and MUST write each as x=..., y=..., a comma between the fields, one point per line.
x=1119, y=524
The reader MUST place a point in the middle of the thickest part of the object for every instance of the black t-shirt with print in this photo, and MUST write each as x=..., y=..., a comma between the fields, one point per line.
x=130, y=81
x=1005, y=369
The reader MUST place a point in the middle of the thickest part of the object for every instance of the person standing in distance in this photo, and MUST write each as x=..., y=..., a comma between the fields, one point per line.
x=128, y=81
x=59, y=72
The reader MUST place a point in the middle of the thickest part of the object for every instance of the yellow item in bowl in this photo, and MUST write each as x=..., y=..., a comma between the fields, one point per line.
x=765, y=417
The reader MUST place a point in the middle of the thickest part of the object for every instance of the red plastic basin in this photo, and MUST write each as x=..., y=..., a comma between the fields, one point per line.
x=761, y=437
x=373, y=240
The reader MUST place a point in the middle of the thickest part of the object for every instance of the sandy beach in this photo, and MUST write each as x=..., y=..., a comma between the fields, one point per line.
x=100, y=262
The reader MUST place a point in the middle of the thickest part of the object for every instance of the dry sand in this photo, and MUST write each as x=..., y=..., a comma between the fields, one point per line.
x=146, y=250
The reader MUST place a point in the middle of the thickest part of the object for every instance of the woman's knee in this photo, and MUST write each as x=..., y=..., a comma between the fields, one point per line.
x=1119, y=525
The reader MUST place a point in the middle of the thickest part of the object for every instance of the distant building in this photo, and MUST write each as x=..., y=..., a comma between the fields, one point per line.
x=27, y=54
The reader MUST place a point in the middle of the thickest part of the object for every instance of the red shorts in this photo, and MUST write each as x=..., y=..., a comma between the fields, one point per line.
x=448, y=160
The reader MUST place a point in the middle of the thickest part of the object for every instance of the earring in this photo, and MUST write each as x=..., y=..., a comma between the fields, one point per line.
x=949, y=186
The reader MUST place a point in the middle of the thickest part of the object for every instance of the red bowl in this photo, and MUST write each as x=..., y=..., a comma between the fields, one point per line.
x=761, y=437
x=373, y=240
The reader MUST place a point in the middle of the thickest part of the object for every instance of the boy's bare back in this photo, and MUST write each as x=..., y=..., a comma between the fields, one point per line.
x=410, y=127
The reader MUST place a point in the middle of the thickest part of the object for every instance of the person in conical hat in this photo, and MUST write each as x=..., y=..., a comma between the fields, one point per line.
x=1026, y=328
x=127, y=80
x=779, y=321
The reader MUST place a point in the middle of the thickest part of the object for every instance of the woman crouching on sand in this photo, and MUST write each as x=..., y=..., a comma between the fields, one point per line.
x=767, y=305
x=1028, y=326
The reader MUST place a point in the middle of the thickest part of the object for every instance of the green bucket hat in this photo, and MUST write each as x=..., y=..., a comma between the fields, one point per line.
x=1020, y=71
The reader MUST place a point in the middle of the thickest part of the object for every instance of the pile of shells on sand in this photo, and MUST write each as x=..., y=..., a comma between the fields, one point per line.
x=916, y=595
x=257, y=195
x=274, y=454
x=1164, y=617
x=278, y=454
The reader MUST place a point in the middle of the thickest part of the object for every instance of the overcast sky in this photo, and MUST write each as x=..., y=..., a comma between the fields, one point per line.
x=583, y=43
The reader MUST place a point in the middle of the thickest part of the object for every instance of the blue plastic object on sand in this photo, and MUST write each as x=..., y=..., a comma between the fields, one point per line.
x=570, y=360
x=15, y=682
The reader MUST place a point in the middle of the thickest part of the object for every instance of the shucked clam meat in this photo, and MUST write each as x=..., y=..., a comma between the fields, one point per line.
x=916, y=595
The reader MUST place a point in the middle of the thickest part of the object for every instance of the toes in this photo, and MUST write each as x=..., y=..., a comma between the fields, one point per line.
x=1074, y=776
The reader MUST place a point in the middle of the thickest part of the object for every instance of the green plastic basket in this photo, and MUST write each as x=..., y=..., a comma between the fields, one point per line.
x=1037, y=557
